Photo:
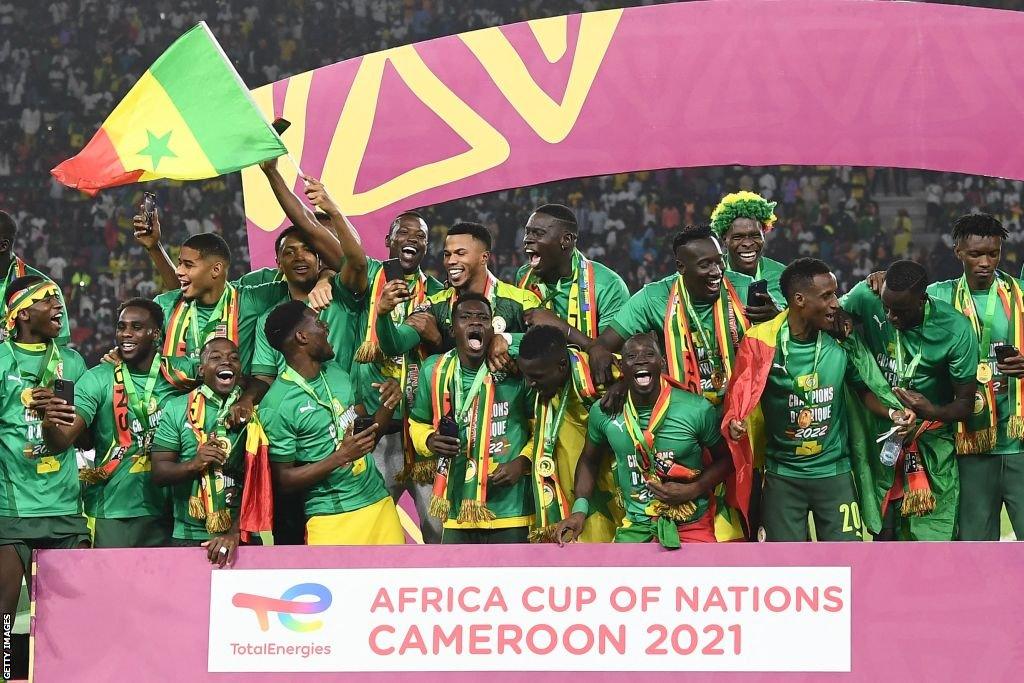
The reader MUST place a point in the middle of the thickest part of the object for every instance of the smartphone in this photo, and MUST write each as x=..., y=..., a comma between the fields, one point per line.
x=1005, y=352
x=148, y=207
x=393, y=270
x=281, y=125
x=64, y=389
x=754, y=292
x=447, y=426
x=362, y=424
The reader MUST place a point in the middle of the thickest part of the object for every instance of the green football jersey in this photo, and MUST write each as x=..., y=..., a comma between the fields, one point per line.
x=253, y=302
x=130, y=491
x=174, y=435
x=946, y=343
x=1000, y=334
x=342, y=319
x=302, y=429
x=510, y=435
x=804, y=409
x=612, y=293
x=690, y=425
x=260, y=276
x=647, y=310
x=33, y=481
x=770, y=270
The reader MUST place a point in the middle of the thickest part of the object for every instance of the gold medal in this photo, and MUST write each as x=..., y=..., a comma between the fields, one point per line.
x=984, y=373
x=498, y=324
x=225, y=443
x=26, y=396
x=545, y=466
x=718, y=379
x=28, y=452
x=803, y=419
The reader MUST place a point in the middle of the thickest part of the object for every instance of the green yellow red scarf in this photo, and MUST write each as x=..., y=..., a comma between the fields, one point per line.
x=209, y=492
x=474, y=412
x=223, y=322
x=369, y=350
x=582, y=306
x=729, y=320
x=978, y=434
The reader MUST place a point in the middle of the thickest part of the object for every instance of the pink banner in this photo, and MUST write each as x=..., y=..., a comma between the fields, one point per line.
x=692, y=84
x=882, y=611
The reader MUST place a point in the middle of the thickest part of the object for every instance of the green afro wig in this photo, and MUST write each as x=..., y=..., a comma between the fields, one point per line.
x=742, y=205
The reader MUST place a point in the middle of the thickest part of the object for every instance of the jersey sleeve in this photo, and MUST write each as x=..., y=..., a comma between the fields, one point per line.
x=708, y=432
x=168, y=431
x=260, y=276
x=91, y=393
x=963, y=353
x=861, y=301
x=422, y=408
x=266, y=296
x=74, y=365
x=395, y=340
x=265, y=358
x=611, y=298
x=596, y=425
x=277, y=427
x=634, y=316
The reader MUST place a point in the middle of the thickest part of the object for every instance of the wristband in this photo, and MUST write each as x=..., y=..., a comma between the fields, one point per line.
x=581, y=505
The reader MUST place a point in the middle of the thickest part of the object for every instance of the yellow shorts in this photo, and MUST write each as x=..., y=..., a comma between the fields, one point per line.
x=375, y=524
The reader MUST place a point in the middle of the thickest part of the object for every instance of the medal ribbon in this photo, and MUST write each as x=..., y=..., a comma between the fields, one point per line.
x=904, y=372
x=581, y=307
x=334, y=407
x=643, y=437
x=784, y=347
x=547, y=426
x=208, y=499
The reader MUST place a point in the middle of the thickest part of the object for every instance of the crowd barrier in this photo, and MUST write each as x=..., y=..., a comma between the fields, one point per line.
x=882, y=611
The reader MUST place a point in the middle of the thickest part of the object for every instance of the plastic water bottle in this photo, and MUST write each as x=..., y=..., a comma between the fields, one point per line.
x=891, y=450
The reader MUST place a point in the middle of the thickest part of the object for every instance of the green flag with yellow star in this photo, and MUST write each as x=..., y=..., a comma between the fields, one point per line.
x=189, y=117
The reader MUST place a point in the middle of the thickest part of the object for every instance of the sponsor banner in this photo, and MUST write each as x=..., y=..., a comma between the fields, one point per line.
x=687, y=84
x=884, y=611
x=531, y=619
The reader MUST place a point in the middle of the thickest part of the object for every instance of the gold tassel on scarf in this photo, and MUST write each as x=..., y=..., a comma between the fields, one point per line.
x=918, y=499
x=196, y=509
x=473, y=512
x=217, y=522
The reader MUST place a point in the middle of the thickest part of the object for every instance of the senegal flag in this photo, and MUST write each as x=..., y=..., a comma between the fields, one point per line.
x=189, y=117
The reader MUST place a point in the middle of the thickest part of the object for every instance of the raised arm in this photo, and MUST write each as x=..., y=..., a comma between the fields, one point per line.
x=150, y=239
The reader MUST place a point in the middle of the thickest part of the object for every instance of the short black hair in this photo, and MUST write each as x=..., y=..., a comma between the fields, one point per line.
x=290, y=231
x=801, y=273
x=155, y=312
x=209, y=244
x=8, y=227
x=906, y=276
x=542, y=341
x=467, y=297
x=20, y=283
x=474, y=230
x=212, y=340
x=562, y=213
x=644, y=337
x=282, y=322
x=980, y=224
x=406, y=214
x=692, y=233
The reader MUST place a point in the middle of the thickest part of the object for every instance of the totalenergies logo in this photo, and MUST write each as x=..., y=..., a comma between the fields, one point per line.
x=287, y=605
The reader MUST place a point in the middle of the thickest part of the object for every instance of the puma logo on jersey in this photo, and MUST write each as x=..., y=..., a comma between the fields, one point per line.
x=306, y=408
x=621, y=425
x=779, y=367
x=881, y=323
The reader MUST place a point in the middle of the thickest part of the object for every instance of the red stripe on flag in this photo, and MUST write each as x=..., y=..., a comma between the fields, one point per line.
x=96, y=167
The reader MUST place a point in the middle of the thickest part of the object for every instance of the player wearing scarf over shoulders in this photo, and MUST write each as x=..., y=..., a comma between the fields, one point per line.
x=116, y=411
x=698, y=314
x=219, y=475
x=395, y=455
x=805, y=383
x=669, y=457
x=990, y=443
x=928, y=353
x=40, y=500
x=481, y=489
x=559, y=377
x=577, y=295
